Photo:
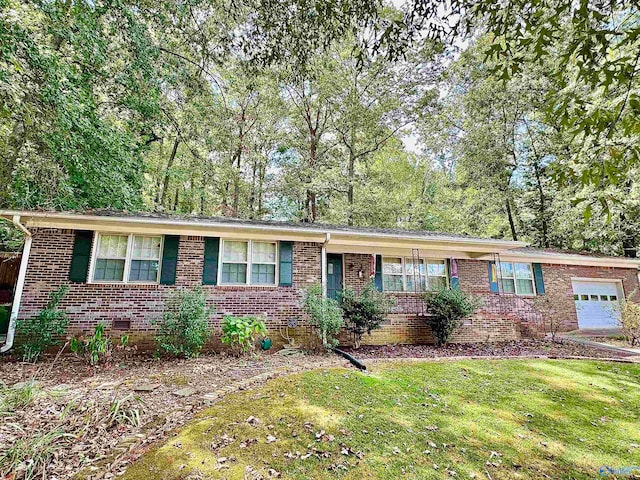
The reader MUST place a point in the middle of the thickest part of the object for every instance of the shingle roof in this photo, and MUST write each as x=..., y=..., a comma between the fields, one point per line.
x=277, y=223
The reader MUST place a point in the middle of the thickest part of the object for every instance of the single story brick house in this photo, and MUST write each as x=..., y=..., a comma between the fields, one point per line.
x=121, y=266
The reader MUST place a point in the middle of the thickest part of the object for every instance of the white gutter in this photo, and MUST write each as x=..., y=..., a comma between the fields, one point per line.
x=323, y=262
x=17, y=297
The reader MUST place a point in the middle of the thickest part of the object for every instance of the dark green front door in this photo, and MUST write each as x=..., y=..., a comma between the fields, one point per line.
x=334, y=275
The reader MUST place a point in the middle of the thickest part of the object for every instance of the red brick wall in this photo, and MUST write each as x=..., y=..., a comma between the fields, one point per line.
x=88, y=304
x=502, y=317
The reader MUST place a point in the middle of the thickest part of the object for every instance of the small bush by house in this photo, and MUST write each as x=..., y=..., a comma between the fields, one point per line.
x=324, y=315
x=630, y=322
x=447, y=308
x=240, y=333
x=365, y=312
x=43, y=331
x=184, y=328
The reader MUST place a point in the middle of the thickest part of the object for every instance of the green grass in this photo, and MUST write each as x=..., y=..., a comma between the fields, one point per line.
x=504, y=419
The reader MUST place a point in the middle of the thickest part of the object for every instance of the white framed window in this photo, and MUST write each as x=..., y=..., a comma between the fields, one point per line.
x=120, y=258
x=248, y=262
x=517, y=278
x=403, y=274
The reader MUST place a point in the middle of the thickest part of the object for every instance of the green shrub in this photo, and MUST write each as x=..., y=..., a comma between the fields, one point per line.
x=446, y=309
x=630, y=320
x=239, y=332
x=44, y=330
x=184, y=328
x=365, y=312
x=96, y=348
x=325, y=315
x=5, y=315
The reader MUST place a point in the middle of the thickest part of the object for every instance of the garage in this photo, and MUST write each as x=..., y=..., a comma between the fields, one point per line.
x=596, y=303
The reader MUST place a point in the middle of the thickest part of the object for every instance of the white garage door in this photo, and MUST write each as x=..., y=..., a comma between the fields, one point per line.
x=596, y=303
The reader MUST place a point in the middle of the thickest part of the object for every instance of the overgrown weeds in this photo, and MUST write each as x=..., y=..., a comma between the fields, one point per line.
x=121, y=412
x=16, y=397
x=28, y=457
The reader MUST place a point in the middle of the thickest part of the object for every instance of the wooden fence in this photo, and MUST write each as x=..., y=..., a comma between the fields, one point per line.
x=9, y=265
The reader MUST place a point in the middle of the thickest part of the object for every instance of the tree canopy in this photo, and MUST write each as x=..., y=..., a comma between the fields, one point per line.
x=513, y=119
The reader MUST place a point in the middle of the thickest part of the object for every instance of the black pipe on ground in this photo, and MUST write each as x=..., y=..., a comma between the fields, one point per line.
x=354, y=361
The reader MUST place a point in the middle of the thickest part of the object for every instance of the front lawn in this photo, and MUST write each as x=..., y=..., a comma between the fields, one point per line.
x=499, y=419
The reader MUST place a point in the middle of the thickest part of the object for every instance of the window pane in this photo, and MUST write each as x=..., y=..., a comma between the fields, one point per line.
x=507, y=269
x=523, y=270
x=113, y=246
x=146, y=247
x=392, y=283
x=234, y=273
x=613, y=298
x=109, y=269
x=436, y=267
x=422, y=283
x=262, y=274
x=584, y=297
x=604, y=298
x=508, y=285
x=437, y=283
x=525, y=287
x=144, y=271
x=264, y=252
x=235, y=252
x=411, y=269
x=392, y=266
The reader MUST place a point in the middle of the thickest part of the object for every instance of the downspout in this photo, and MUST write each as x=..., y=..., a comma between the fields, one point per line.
x=324, y=265
x=17, y=297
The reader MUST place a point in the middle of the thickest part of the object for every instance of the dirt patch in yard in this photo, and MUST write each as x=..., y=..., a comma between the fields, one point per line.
x=522, y=348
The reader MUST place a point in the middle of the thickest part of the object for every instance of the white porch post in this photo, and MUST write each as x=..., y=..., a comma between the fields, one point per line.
x=323, y=262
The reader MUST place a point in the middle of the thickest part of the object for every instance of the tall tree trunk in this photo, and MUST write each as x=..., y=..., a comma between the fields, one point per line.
x=176, y=199
x=262, y=171
x=235, y=205
x=252, y=194
x=542, y=206
x=312, y=209
x=167, y=172
x=512, y=224
x=202, y=192
x=350, y=177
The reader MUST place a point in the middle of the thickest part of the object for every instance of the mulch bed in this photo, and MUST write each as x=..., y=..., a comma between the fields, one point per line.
x=522, y=348
x=79, y=401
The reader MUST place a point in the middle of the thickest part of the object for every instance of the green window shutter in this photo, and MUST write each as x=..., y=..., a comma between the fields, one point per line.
x=453, y=281
x=493, y=277
x=286, y=264
x=537, y=275
x=169, y=259
x=377, y=279
x=210, y=269
x=81, y=256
